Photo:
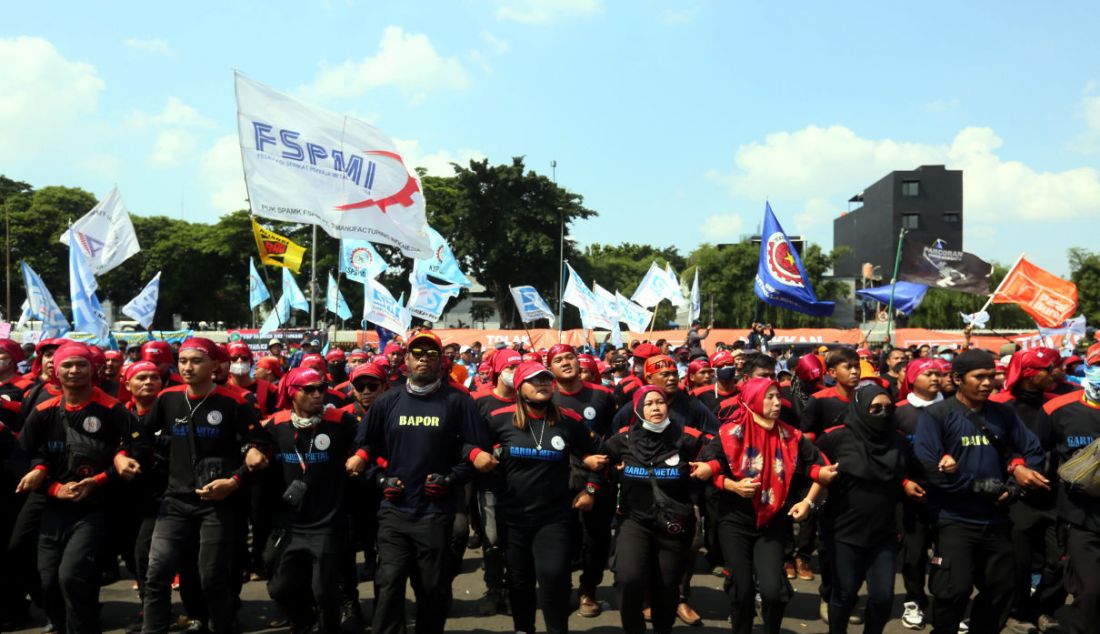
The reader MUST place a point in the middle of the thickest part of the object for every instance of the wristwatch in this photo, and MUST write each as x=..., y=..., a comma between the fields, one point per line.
x=813, y=505
x=590, y=488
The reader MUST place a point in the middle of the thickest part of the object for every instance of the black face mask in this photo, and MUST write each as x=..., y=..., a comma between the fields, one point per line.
x=879, y=422
x=538, y=406
x=726, y=374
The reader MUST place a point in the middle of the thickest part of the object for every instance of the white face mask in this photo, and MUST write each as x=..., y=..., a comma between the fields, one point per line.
x=506, y=377
x=240, y=368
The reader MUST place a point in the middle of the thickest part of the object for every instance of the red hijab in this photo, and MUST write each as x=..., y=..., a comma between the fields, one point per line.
x=768, y=455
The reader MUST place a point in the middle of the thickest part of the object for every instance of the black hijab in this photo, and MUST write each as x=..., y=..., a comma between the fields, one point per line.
x=874, y=449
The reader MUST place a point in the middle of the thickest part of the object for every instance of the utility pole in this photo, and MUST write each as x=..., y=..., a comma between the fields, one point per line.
x=561, y=244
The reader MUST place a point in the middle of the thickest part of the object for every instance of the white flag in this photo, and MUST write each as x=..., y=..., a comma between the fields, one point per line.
x=607, y=301
x=88, y=315
x=530, y=304
x=696, y=302
x=42, y=304
x=25, y=314
x=105, y=234
x=579, y=295
x=428, y=300
x=292, y=294
x=653, y=287
x=143, y=307
x=334, y=300
x=634, y=316
x=380, y=308
x=308, y=165
x=675, y=295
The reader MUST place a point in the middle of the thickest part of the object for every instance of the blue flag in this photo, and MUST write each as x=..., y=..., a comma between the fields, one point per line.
x=442, y=263
x=88, y=315
x=42, y=304
x=292, y=294
x=257, y=290
x=428, y=300
x=530, y=304
x=907, y=296
x=359, y=261
x=781, y=279
x=334, y=300
x=143, y=307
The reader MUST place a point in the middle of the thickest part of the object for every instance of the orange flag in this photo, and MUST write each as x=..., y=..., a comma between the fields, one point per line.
x=1050, y=300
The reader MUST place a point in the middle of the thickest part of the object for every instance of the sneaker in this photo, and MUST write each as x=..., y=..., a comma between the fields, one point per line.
x=50, y=628
x=823, y=612
x=788, y=569
x=855, y=619
x=912, y=618
x=587, y=607
x=802, y=568
x=1019, y=626
x=488, y=604
x=1049, y=625
x=964, y=627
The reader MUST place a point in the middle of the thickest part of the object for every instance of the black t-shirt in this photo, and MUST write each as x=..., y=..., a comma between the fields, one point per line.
x=316, y=456
x=854, y=511
x=712, y=397
x=825, y=409
x=1074, y=424
x=670, y=452
x=533, y=478
x=223, y=421
x=595, y=404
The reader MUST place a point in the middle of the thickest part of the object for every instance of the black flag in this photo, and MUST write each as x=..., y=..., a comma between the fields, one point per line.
x=939, y=266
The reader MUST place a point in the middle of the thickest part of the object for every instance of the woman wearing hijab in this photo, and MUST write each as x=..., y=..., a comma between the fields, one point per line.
x=535, y=504
x=859, y=534
x=755, y=461
x=658, y=520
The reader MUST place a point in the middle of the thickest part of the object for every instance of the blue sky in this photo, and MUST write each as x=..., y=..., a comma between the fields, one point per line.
x=673, y=120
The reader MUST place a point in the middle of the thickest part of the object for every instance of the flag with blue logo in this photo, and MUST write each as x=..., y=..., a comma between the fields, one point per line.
x=25, y=314
x=675, y=295
x=654, y=287
x=634, y=316
x=381, y=309
x=334, y=300
x=42, y=304
x=292, y=293
x=696, y=302
x=105, y=234
x=781, y=280
x=88, y=315
x=257, y=290
x=530, y=304
x=428, y=300
x=441, y=263
x=360, y=261
x=578, y=294
x=143, y=307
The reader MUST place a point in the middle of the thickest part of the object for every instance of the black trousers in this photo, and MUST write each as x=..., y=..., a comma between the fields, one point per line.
x=71, y=541
x=1038, y=547
x=411, y=545
x=754, y=558
x=305, y=578
x=596, y=540
x=21, y=558
x=852, y=565
x=648, y=563
x=264, y=494
x=492, y=544
x=182, y=525
x=915, y=527
x=539, y=551
x=969, y=556
x=1083, y=582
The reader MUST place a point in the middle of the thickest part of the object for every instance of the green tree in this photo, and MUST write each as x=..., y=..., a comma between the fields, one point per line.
x=1084, y=269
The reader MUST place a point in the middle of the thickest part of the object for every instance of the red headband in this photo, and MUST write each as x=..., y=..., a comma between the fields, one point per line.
x=294, y=381
x=272, y=365
x=70, y=350
x=657, y=363
x=136, y=368
x=205, y=346
x=13, y=349
x=1027, y=363
x=559, y=348
x=240, y=349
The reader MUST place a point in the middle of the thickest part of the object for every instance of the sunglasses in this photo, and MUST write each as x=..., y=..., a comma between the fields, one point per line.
x=879, y=409
x=314, y=389
x=366, y=386
x=421, y=353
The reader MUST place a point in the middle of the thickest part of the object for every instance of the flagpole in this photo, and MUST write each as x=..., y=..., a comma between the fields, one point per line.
x=653, y=317
x=313, y=283
x=893, y=287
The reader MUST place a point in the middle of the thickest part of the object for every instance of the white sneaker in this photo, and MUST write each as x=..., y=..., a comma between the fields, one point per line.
x=912, y=618
x=964, y=627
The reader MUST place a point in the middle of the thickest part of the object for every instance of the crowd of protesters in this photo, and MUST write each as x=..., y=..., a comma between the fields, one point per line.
x=204, y=466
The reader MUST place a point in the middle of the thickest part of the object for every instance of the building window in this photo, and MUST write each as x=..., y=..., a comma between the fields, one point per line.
x=951, y=218
x=910, y=221
x=910, y=189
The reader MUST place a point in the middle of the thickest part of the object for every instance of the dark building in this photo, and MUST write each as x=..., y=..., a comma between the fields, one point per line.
x=927, y=201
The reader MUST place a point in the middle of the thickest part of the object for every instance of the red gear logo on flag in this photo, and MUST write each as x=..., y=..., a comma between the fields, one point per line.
x=781, y=263
x=403, y=197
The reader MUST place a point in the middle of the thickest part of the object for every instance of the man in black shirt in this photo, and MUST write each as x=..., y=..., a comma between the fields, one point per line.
x=206, y=424
x=422, y=430
x=310, y=445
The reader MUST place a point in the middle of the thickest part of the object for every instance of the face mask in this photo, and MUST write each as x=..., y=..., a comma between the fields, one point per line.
x=506, y=378
x=240, y=367
x=947, y=356
x=538, y=406
x=606, y=382
x=725, y=374
x=1091, y=383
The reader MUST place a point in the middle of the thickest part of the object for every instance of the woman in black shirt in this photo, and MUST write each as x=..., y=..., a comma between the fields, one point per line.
x=658, y=521
x=859, y=533
x=755, y=461
x=535, y=505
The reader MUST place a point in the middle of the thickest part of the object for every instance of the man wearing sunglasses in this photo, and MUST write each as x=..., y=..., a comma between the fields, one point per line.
x=421, y=429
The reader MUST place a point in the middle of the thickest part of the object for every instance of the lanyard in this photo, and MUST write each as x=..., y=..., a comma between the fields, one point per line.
x=301, y=459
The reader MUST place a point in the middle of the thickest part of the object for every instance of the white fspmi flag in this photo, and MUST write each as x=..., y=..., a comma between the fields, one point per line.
x=308, y=165
x=696, y=302
x=105, y=234
x=634, y=316
x=530, y=304
x=653, y=287
x=380, y=308
x=579, y=295
x=675, y=295
x=143, y=307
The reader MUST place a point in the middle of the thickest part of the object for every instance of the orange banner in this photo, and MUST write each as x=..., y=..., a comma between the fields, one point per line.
x=1049, y=299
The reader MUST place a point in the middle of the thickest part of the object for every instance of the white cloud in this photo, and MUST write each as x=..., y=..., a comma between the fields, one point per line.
x=172, y=147
x=437, y=163
x=223, y=176
x=407, y=61
x=828, y=163
x=1088, y=142
x=546, y=11
x=157, y=46
x=722, y=228
x=45, y=96
x=494, y=43
x=175, y=113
